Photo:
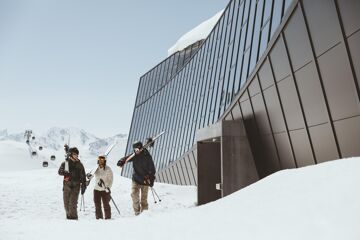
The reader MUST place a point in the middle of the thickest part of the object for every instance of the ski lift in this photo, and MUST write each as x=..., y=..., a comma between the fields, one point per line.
x=40, y=148
x=33, y=137
x=45, y=164
x=33, y=153
x=52, y=157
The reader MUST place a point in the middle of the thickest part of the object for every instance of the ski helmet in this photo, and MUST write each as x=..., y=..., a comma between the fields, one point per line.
x=74, y=150
x=137, y=144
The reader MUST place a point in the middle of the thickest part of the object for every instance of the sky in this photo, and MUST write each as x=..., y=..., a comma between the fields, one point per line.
x=77, y=63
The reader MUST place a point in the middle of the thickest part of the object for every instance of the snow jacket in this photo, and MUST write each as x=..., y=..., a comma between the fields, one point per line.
x=143, y=165
x=106, y=175
x=76, y=174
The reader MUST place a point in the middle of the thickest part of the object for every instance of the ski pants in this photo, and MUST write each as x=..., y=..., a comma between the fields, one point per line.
x=105, y=198
x=70, y=195
x=139, y=202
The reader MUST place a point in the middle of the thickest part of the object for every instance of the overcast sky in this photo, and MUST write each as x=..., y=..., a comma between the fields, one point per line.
x=77, y=63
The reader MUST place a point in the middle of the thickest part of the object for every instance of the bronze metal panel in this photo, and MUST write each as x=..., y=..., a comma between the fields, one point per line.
x=354, y=48
x=209, y=162
x=177, y=174
x=270, y=155
x=180, y=173
x=229, y=117
x=159, y=177
x=323, y=24
x=193, y=166
x=244, y=97
x=261, y=117
x=323, y=143
x=195, y=156
x=311, y=95
x=236, y=112
x=274, y=110
x=339, y=83
x=254, y=87
x=348, y=134
x=302, y=148
x=265, y=75
x=349, y=11
x=284, y=149
x=238, y=168
x=257, y=147
x=297, y=41
x=174, y=174
x=189, y=170
x=170, y=175
x=290, y=103
x=279, y=60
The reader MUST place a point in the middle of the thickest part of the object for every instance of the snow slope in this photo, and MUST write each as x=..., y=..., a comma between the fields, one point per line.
x=198, y=33
x=315, y=202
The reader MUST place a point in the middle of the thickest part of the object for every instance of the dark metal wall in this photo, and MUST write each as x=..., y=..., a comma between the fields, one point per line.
x=301, y=104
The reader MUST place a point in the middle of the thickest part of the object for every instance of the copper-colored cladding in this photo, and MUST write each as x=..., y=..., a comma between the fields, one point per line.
x=300, y=105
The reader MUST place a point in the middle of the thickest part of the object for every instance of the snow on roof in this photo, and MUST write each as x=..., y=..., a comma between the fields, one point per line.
x=198, y=33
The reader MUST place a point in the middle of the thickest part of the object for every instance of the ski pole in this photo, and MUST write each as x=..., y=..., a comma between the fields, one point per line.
x=115, y=205
x=83, y=202
x=152, y=192
x=102, y=184
x=152, y=189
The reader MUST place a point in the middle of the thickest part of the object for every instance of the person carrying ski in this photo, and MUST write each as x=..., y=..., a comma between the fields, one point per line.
x=103, y=183
x=143, y=176
x=74, y=179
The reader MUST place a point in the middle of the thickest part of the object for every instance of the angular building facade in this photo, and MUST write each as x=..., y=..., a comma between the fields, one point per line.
x=274, y=86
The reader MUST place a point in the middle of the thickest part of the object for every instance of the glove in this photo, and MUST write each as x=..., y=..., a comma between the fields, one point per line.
x=89, y=176
x=83, y=189
x=149, y=141
x=66, y=148
x=121, y=162
x=66, y=174
x=149, y=180
x=152, y=180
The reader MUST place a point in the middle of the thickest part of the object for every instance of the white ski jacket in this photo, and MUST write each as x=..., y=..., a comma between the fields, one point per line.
x=106, y=175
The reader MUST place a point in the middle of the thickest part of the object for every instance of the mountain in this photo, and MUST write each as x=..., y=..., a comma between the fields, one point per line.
x=3, y=133
x=53, y=140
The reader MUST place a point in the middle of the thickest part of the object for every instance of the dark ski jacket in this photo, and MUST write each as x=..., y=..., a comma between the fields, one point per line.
x=143, y=165
x=76, y=174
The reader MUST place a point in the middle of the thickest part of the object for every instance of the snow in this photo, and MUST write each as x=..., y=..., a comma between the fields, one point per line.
x=198, y=33
x=314, y=202
x=13, y=146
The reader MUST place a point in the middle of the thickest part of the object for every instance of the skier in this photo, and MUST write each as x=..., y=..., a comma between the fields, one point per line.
x=103, y=183
x=143, y=176
x=74, y=179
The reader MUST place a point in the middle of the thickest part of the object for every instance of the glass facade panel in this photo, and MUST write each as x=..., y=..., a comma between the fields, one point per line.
x=192, y=88
x=277, y=15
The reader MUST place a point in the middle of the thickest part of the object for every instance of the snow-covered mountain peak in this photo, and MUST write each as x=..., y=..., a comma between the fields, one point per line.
x=54, y=139
x=3, y=133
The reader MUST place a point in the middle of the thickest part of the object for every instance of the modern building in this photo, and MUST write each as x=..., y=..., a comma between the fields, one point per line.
x=275, y=85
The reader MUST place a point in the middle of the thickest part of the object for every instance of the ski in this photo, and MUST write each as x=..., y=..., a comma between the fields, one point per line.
x=90, y=174
x=110, y=148
x=148, y=144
